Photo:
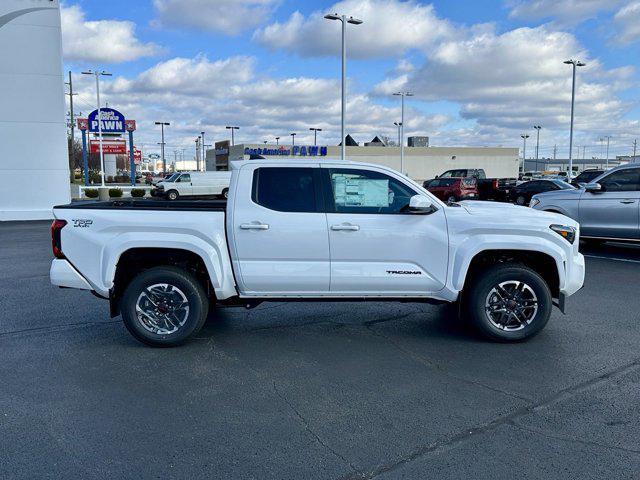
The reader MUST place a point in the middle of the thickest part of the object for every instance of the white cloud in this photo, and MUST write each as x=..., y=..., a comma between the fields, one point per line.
x=627, y=22
x=390, y=28
x=564, y=12
x=101, y=41
x=227, y=16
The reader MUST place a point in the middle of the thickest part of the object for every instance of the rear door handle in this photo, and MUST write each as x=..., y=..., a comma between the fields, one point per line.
x=346, y=227
x=254, y=226
x=627, y=201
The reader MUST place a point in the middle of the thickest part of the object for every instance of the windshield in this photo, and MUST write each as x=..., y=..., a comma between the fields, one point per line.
x=454, y=174
x=172, y=178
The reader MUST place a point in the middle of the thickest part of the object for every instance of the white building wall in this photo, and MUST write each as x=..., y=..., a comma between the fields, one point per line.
x=420, y=163
x=33, y=146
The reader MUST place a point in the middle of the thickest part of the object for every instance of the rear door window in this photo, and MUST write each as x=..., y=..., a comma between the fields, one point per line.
x=287, y=189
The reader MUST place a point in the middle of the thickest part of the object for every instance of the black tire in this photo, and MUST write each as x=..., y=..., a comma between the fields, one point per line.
x=181, y=281
x=225, y=193
x=478, y=295
x=172, y=195
x=521, y=200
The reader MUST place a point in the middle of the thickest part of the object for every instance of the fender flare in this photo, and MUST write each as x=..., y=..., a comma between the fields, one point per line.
x=472, y=246
x=210, y=253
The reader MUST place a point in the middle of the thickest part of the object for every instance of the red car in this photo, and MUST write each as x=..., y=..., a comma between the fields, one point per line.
x=453, y=189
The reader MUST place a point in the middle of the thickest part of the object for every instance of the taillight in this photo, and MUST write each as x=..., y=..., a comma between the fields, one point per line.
x=56, y=242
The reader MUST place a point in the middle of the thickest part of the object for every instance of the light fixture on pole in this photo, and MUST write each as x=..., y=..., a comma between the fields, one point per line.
x=164, y=162
x=97, y=74
x=402, y=95
x=538, y=128
x=353, y=21
x=575, y=64
x=315, y=135
x=524, y=137
x=233, y=142
x=398, y=124
x=277, y=140
x=197, y=151
x=293, y=140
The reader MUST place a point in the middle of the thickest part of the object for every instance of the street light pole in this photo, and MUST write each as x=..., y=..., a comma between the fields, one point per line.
x=277, y=141
x=353, y=21
x=204, y=155
x=538, y=128
x=164, y=162
x=524, y=149
x=608, y=137
x=293, y=140
x=398, y=124
x=315, y=135
x=575, y=64
x=402, y=95
x=233, y=142
x=97, y=75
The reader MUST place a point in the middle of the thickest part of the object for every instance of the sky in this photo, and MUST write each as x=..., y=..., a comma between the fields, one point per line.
x=482, y=72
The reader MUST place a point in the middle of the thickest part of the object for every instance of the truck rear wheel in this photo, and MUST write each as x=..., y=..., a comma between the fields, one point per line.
x=509, y=303
x=164, y=306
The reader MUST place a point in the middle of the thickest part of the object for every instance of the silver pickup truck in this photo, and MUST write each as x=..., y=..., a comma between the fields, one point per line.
x=607, y=208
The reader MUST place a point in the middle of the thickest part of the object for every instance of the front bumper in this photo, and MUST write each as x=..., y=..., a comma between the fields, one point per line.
x=574, y=279
x=62, y=274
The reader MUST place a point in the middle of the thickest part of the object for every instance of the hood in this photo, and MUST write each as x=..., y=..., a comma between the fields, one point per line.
x=555, y=194
x=497, y=213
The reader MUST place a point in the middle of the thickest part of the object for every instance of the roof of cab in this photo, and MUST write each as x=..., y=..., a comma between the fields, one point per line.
x=302, y=162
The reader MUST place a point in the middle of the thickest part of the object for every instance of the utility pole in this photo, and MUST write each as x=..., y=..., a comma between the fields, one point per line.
x=555, y=151
x=608, y=137
x=402, y=95
x=73, y=120
x=635, y=145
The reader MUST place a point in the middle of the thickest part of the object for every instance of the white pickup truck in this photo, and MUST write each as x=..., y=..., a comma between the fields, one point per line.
x=304, y=230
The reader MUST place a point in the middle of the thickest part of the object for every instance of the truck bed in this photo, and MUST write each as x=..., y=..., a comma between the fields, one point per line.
x=149, y=204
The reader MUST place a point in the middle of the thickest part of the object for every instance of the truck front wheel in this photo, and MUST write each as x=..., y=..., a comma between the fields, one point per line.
x=164, y=306
x=508, y=303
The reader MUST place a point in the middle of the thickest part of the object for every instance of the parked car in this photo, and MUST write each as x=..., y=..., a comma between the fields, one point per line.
x=488, y=188
x=191, y=184
x=297, y=230
x=453, y=189
x=585, y=177
x=608, y=208
x=522, y=194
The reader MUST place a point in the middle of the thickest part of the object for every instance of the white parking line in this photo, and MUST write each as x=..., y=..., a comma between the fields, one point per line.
x=613, y=258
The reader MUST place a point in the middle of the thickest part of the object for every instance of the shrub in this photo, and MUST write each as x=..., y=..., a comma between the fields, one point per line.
x=109, y=179
x=91, y=192
x=138, y=192
x=94, y=177
x=115, y=192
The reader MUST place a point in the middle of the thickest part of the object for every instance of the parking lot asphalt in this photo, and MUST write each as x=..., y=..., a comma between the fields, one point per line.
x=315, y=390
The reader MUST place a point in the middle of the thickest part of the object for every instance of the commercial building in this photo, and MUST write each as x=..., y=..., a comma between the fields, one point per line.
x=579, y=164
x=420, y=163
x=33, y=152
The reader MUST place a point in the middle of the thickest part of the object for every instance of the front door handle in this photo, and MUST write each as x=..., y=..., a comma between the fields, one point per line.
x=345, y=227
x=627, y=201
x=254, y=226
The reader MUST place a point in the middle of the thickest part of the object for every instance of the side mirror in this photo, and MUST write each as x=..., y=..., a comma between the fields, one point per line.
x=420, y=204
x=593, y=187
x=437, y=176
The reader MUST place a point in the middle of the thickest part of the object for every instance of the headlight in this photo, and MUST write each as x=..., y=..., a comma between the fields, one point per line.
x=534, y=201
x=568, y=233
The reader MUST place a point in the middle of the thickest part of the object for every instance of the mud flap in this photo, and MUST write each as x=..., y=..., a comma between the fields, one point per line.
x=561, y=303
